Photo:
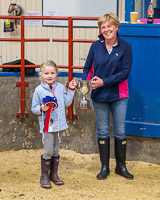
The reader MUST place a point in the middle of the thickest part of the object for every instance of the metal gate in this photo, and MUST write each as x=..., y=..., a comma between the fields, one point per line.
x=22, y=84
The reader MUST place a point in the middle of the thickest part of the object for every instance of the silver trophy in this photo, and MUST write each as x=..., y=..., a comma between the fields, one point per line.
x=83, y=87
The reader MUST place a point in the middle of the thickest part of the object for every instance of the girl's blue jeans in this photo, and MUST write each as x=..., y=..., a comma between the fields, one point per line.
x=102, y=111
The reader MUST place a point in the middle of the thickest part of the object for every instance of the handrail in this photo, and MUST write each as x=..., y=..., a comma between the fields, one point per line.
x=22, y=84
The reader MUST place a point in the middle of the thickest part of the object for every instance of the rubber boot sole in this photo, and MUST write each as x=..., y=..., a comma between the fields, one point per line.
x=121, y=174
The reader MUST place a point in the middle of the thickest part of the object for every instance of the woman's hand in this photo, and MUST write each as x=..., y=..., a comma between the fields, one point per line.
x=96, y=82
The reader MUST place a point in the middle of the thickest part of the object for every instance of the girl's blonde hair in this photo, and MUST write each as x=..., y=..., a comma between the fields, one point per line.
x=109, y=17
x=47, y=63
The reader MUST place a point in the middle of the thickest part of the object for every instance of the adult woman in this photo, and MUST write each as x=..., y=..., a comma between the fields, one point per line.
x=112, y=58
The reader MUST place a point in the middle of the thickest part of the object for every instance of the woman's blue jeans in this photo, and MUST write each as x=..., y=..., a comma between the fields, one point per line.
x=118, y=109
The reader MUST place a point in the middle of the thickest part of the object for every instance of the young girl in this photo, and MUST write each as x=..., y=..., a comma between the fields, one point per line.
x=49, y=101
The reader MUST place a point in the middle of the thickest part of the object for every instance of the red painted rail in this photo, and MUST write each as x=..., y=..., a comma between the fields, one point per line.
x=22, y=84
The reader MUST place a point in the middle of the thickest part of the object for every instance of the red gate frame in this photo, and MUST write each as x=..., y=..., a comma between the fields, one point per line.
x=22, y=84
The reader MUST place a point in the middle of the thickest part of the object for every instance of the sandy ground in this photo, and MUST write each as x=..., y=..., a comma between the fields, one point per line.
x=20, y=173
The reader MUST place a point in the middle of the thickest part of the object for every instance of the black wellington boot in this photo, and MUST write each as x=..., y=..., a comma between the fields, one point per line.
x=104, y=151
x=120, y=155
x=44, y=179
x=54, y=170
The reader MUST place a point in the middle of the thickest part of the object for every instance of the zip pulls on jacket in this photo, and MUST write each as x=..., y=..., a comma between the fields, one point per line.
x=52, y=89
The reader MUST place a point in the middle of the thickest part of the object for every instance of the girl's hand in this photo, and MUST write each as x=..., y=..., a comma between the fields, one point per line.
x=73, y=84
x=45, y=107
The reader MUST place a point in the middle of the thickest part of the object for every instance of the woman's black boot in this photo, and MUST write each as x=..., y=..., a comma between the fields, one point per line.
x=104, y=152
x=120, y=155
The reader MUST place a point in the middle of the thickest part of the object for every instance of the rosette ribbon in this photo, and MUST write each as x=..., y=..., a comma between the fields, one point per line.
x=52, y=103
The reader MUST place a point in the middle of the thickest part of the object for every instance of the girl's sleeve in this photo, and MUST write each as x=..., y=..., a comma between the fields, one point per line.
x=68, y=96
x=36, y=104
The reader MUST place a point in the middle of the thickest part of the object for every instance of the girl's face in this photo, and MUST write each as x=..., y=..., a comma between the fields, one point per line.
x=49, y=74
x=109, y=31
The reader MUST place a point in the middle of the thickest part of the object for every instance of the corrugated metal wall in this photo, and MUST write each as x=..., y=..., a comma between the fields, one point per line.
x=40, y=51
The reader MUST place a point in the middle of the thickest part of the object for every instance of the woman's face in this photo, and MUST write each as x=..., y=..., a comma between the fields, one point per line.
x=109, y=31
x=49, y=74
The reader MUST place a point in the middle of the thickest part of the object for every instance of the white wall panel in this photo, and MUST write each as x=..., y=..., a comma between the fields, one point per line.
x=37, y=52
x=121, y=10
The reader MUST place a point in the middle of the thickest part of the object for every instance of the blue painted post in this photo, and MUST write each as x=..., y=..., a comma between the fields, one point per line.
x=129, y=7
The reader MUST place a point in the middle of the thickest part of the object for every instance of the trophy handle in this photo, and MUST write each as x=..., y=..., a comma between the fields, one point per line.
x=78, y=82
x=90, y=84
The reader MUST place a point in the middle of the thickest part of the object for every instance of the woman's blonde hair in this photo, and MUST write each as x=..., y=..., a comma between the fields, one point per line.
x=47, y=63
x=109, y=17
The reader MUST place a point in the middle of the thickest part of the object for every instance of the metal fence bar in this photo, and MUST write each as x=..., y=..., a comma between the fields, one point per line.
x=22, y=84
